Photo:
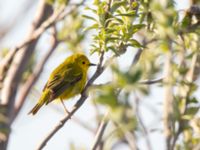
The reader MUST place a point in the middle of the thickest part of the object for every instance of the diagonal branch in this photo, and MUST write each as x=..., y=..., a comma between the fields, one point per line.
x=100, y=131
x=20, y=60
x=55, y=17
x=36, y=73
x=13, y=73
x=128, y=135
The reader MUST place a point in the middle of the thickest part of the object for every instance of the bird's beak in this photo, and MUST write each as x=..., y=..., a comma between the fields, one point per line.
x=91, y=64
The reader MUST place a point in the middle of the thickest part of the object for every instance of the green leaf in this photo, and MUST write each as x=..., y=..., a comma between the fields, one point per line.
x=192, y=110
x=135, y=43
x=116, y=5
x=110, y=30
x=91, y=9
x=134, y=5
x=109, y=38
x=137, y=27
x=96, y=2
x=193, y=100
x=94, y=26
x=89, y=17
x=112, y=48
x=135, y=76
x=106, y=96
x=51, y=2
x=128, y=14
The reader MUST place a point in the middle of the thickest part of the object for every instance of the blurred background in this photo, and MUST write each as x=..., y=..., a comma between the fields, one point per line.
x=27, y=131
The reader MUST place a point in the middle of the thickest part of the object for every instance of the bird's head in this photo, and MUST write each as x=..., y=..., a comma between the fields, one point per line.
x=83, y=61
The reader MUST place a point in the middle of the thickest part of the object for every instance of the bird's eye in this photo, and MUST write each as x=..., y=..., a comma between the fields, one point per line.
x=83, y=62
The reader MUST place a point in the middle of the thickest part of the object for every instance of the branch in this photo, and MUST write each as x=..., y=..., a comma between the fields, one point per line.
x=19, y=62
x=152, y=81
x=100, y=131
x=184, y=92
x=13, y=73
x=76, y=120
x=78, y=104
x=35, y=75
x=137, y=57
x=57, y=16
x=129, y=137
x=168, y=99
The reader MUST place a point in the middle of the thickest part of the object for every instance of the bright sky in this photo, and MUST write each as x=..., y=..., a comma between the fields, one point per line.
x=27, y=131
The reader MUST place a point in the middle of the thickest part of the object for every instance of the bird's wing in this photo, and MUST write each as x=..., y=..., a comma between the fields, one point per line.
x=60, y=82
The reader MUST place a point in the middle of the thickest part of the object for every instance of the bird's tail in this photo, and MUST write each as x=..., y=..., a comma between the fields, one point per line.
x=43, y=99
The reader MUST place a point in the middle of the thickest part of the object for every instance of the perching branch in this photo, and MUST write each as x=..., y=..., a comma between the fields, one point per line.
x=78, y=104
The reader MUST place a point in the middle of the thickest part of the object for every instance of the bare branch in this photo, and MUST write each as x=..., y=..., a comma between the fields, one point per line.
x=17, y=67
x=160, y=80
x=129, y=136
x=35, y=34
x=76, y=120
x=137, y=56
x=100, y=131
x=168, y=100
x=36, y=73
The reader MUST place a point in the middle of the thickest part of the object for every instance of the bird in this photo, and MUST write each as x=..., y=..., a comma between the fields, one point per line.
x=66, y=81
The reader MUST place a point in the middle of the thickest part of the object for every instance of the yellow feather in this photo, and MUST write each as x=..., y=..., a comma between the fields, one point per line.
x=66, y=81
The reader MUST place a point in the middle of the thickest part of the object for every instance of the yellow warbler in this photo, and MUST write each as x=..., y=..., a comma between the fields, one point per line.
x=67, y=80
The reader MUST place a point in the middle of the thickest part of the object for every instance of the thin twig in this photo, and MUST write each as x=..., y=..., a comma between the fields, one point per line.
x=76, y=120
x=137, y=57
x=57, y=16
x=160, y=80
x=129, y=136
x=100, y=131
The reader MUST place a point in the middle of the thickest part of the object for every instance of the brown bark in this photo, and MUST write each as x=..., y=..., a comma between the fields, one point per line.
x=15, y=71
